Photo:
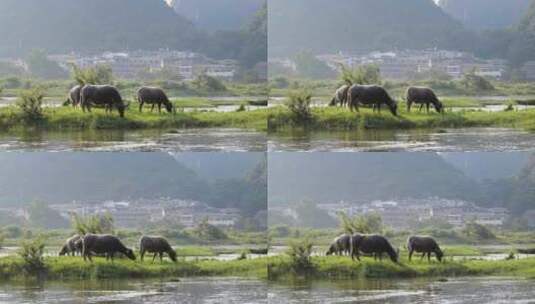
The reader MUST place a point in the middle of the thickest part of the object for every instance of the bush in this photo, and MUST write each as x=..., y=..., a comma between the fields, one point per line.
x=280, y=82
x=30, y=102
x=364, y=74
x=369, y=223
x=300, y=252
x=472, y=81
x=479, y=231
x=101, y=74
x=93, y=224
x=208, y=83
x=32, y=253
x=13, y=232
x=299, y=105
x=209, y=232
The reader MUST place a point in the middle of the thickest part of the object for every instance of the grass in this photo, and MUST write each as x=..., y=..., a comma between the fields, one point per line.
x=337, y=119
x=66, y=118
x=280, y=268
x=76, y=268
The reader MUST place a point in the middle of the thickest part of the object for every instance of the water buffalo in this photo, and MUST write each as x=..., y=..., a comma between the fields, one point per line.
x=371, y=244
x=370, y=95
x=74, y=95
x=101, y=95
x=154, y=96
x=157, y=245
x=340, y=245
x=425, y=245
x=423, y=96
x=72, y=246
x=104, y=244
x=340, y=96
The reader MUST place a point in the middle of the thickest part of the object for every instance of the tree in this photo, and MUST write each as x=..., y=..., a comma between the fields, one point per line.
x=100, y=74
x=309, y=66
x=363, y=74
x=40, y=66
x=42, y=216
x=479, y=231
x=100, y=223
x=473, y=81
x=207, y=231
x=368, y=223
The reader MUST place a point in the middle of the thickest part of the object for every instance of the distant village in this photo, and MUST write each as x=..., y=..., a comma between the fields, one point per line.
x=132, y=65
x=408, y=213
x=141, y=212
x=399, y=65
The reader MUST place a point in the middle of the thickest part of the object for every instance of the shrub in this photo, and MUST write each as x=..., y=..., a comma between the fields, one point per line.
x=93, y=224
x=13, y=232
x=300, y=252
x=208, y=83
x=364, y=74
x=210, y=232
x=32, y=253
x=369, y=223
x=299, y=105
x=30, y=102
x=479, y=231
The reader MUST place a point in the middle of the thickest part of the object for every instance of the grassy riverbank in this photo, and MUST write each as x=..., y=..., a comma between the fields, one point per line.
x=76, y=268
x=65, y=118
x=337, y=119
x=281, y=268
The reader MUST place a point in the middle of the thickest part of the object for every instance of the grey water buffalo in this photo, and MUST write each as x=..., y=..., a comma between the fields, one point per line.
x=102, y=95
x=423, y=96
x=157, y=245
x=340, y=96
x=340, y=245
x=425, y=245
x=74, y=95
x=105, y=244
x=153, y=96
x=72, y=246
x=370, y=95
x=372, y=244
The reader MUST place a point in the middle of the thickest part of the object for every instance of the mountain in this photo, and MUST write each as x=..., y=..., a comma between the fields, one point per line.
x=490, y=166
x=522, y=196
x=64, y=177
x=328, y=177
x=348, y=25
x=93, y=25
x=486, y=14
x=218, y=15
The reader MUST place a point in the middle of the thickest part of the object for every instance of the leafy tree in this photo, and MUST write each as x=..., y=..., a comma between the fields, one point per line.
x=207, y=231
x=473, y=81
x=208, y=83
x=311, y=67
x=298, y=103
x=479, y=231
x=40, y=66
x=42, y=216
x=100, y=74
x=30, y=102
x=363, y=74
x=368, y=223
x=98, y=224
x=32, y=253
x=300, y=253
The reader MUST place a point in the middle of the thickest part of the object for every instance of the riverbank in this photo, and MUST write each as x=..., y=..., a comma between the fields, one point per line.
x=61, y=268
x=338, y=119
x=66, y=118
x=281, y=267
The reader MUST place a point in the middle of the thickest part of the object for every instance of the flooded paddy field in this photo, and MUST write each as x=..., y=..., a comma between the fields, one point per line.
x=430, y=140
x=183, y=290
x=374, y=291
x=176, y=140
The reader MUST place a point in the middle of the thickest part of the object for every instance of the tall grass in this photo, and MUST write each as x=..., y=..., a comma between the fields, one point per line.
x=30, y=103
x=298, y=103
x=32, y=254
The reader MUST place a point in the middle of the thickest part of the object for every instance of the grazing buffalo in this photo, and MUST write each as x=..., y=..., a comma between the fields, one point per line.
x=74, y=95
x=72, y=246
x=340, y=96
x=370, y=95
x=102, y=95
x=423, y=96
x=425, y=245
x=157, y=245
x=372, y=244
x=154, y=96
x=340, y=245
x=105, y=244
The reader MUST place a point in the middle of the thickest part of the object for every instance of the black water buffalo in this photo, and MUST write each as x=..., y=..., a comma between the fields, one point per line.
x=157, y=245
x=74, y=95
x=105, y=244
x=371, y=244
x=340, y=245
x=102, y=95
x=72, y=246
x=340, y=96
x=423, y=96
x=370, y=95
x=425, y=245
x=154, y=96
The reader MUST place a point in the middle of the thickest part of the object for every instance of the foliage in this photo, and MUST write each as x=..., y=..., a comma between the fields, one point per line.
x=368, y=223
x=32, y=253
x=473, y=81
x=42, y=67
x=207, y=231
x=42, y=216
x=363, y=74
x=298, y=103
x=208, y=83
x=12, y=231
x=309, y=66
x=30, y=103
x=300, y=253
x=479, y=231
x=96, y=224
x=100, y=74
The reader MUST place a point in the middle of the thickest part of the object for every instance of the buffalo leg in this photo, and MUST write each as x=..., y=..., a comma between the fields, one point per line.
x=429, y=257
x=423, y=256
x=152, y=108
x=161, y=257
x=154, y=256
x=427, y=105
x=141, y=255
x=409, y=104
x=410, y=255
x=141, y=107
x=421, y=107
x=159, y=108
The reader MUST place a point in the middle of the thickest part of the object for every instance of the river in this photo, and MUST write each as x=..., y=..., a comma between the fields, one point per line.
x=183, y=290
x=480, y=290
